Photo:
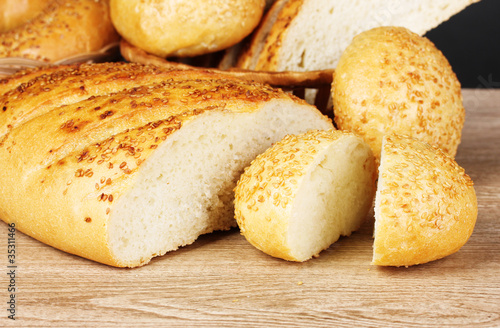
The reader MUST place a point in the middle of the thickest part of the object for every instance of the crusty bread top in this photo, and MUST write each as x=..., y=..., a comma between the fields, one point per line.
x=426, y=206
x=391, y=80
x=32, y=93
x=64, y=28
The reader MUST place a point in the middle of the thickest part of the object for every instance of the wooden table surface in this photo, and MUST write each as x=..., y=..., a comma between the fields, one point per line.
x=222, y=281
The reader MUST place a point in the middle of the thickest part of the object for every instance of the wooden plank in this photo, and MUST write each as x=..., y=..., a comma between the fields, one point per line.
x=222, y=281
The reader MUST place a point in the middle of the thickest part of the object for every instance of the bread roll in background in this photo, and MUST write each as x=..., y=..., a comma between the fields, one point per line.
x=185, y=28
x=425, y=206
x=64, y=28
x=391, y=80
x=303, y=193
x=120, y=162
x=14, y=13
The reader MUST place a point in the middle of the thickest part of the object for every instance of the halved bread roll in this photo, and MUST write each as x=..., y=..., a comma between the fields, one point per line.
x=391, y=80
x=425, y=207
x=118, y=167
x=304, y=192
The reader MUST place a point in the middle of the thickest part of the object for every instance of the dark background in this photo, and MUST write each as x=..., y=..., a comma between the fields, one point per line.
x=470, y=41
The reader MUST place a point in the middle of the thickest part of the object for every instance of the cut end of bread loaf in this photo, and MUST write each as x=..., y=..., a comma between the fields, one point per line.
x=185, y=188
x=425, y=206
x=306, y=191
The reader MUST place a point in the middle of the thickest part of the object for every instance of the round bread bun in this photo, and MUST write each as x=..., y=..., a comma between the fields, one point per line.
x=14, y=13
x=64, y=28
x=304, y=192
x=391, y=80
x=425, y=206
x=185, y=28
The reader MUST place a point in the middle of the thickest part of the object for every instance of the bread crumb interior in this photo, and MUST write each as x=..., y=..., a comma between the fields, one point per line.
x=185, y=188
x=333, y=199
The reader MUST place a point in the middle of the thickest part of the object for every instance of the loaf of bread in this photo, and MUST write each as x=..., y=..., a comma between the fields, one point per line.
x=64, y=28
x=425, y=207
x=185, y=28
x=304, y=35
x=391, y=80
x=119, y=163
x=304, y=192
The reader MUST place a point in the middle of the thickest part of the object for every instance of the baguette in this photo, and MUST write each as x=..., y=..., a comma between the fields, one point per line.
x=122, y=174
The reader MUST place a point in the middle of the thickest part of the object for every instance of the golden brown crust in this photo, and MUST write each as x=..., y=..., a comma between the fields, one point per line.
x=249, y=55
x=390, y=80
x=11, y=81
x=32, y=94
x=267, y=58
x=64, y=168
x=65, y=28
x=426, y=206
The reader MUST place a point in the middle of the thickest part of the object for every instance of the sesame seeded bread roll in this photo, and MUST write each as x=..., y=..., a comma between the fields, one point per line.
x=304, y=192
x=185, y=28
x=131, y=171
x=64, y=28
x=391, y=80
x=312, y=34
x=425, y=206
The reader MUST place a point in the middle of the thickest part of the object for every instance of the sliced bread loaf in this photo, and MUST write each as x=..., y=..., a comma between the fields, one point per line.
x=135, y=170
x=312, y=34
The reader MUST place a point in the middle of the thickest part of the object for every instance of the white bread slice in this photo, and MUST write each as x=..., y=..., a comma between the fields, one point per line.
x=312, y=34
x=425, y=206
x=304, y=192
x=126, y=175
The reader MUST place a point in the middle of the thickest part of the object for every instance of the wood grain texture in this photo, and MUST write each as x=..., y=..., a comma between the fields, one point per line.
x=222, y=281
